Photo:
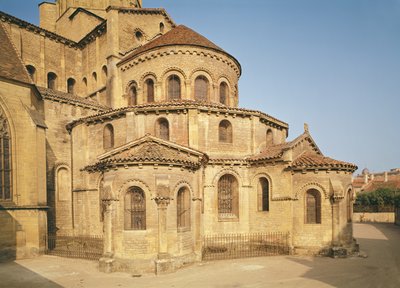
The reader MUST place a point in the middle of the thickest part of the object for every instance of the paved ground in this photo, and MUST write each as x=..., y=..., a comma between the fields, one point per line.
x=381, y=269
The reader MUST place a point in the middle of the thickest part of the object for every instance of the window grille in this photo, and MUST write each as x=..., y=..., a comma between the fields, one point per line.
x=223, y=93
x=51, y=81
x=201, y=88
x=135, y=209
x=313, y=207
x=228, y=196
x=264, y=194
x=225, y=131
x=174, y=87
x=108, y=137
x=5, y=160
x=183, y=208
x=163, y=129
x=150, y=90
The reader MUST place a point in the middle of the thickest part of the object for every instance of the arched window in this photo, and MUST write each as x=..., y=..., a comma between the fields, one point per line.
x=135, y=209
x=132, y=95
x=162, y=27
x=174, y=87
x=108, y=137
x=94, y=80
x=84, y=85
x=313, y=207
x=225, y=131
x=201, y=88
x=5, y=160
x=139, y=36
x=71, y=85
x=52, y=81
x=228, y=196
x=104, y=73
x=162, y=129
x=349, y=205
x=263, y=194
x=183, y=208
x=269, y=137
x=223, y=93
x=150, y=90
x=31, y=72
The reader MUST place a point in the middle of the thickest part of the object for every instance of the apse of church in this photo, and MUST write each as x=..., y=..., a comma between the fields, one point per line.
x=140, y=141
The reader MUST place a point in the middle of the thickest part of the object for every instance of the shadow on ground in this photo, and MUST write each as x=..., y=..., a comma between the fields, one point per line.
x=14, y=275
x=381, y=243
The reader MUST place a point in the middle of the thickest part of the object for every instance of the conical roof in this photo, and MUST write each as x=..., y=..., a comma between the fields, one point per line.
x=180, y=35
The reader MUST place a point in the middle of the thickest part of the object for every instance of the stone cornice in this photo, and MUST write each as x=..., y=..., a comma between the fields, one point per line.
x=96, y=32
x=163, y=51
x=180, y=107
x=145, y=11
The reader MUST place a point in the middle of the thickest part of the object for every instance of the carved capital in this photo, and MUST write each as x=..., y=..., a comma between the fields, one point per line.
x=162, y=201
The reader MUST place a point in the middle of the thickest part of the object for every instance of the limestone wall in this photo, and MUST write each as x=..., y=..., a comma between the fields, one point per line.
x=383, y=217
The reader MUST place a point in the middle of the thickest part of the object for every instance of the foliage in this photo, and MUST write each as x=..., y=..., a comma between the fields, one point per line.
x=380, y=200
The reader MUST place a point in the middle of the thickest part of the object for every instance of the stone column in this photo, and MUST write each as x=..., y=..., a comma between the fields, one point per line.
x=164, y=263
x=336, y=251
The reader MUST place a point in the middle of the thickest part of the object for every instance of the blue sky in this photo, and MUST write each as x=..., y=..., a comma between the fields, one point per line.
x=334, y=64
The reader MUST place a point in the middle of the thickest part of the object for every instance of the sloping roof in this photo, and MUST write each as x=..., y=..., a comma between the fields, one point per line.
x=313, y=160
x=11, y=66
x=70, y=98
x=276, y=151
x=150, y=150
x=180, y=35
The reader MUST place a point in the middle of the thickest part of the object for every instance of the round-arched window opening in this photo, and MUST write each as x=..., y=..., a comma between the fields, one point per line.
x=162, y=27
x=139, y=36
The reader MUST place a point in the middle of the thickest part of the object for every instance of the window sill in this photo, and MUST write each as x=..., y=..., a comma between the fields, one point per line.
x=228, y=218
x=183, y=229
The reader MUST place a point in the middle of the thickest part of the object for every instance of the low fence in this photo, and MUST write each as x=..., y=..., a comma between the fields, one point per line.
x=231, y=246
x=397, y=216
x=381, y=217
x=373, y=208
x=83, y=247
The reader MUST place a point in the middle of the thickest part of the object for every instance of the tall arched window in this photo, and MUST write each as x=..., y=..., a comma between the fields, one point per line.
x=132, y=95
x=263, y=194
x=313, y=207
x=150, y=90
x=5, y=160
x=223, y=93
x=269, y=137
x=104, y=73
x=183, y=208
x=201, y=88
x=135, y=209
x=349, y=205
x=71, y=85
x=108, y=137
x=84, y=86
x=162, y=129
x=31, y=72
x=228, y=196
x=174, y=87
x=52, y=81
x=225, y=131
x=94, y=80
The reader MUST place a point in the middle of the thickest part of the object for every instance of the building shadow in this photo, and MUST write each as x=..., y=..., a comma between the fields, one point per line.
x=380, y=268
x=14, y=275
x=8, y=235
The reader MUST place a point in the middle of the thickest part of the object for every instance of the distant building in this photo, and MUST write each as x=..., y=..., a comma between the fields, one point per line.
x=367, y=182
x=118, y=122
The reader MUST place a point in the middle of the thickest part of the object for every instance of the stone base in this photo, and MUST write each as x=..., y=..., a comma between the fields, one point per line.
x=164, y=266
x=338, y=252
x=106, y=265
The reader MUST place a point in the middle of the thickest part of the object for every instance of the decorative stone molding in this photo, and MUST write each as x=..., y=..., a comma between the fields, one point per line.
x=162, y=201
x=311, y=185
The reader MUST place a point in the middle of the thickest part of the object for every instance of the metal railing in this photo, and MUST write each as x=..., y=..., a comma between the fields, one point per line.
x=231, y=246
x=84, y=247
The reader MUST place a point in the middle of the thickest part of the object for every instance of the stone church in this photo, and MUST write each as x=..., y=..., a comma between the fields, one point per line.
x=116, y=121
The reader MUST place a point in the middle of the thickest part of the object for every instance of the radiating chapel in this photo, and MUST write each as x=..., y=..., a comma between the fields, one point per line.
x=118, y=122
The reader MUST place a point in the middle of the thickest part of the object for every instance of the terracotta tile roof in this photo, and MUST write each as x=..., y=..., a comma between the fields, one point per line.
x=180, y=104
x=313, y=160
x=11, y=66
x=70, y=98
x=180, y=35
x=150, y=150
